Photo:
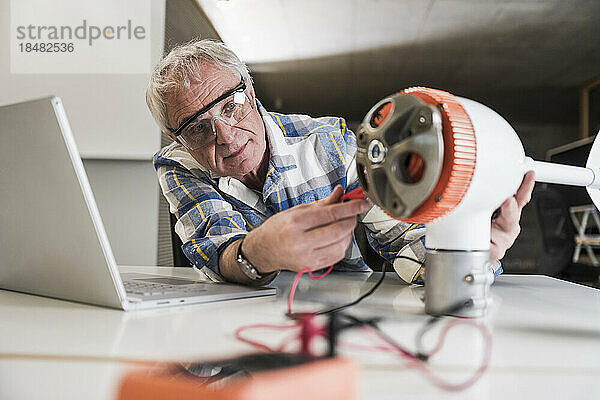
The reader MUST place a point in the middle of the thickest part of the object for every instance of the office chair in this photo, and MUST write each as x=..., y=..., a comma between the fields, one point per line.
x=179, y=258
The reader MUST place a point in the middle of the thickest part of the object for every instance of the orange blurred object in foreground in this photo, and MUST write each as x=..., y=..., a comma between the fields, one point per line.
x=331, y=379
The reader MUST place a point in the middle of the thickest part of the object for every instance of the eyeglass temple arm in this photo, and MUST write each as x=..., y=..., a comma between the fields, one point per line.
x=240, y=86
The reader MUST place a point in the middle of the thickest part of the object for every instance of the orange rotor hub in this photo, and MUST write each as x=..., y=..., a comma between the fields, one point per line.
x=457, y=155
x=460, y=153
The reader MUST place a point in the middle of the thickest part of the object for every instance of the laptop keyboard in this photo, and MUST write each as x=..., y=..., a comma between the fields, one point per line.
x=144, y=288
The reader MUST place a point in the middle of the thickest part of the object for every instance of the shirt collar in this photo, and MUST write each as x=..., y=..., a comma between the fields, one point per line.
x=280, y=158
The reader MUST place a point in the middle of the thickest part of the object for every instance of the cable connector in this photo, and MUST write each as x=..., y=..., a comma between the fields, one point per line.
x=308, y=331
x=336, y=326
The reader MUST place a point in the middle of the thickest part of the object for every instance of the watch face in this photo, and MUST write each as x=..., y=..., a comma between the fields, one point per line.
x=247, y=268
x=249, y=271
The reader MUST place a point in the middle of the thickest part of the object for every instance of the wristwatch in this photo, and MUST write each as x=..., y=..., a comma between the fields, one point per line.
x=250, y=270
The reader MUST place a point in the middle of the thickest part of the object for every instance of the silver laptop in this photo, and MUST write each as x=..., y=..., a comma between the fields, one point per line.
x=52, y=240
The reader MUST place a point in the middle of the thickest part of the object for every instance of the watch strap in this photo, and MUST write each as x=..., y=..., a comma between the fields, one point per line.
x=250, y=270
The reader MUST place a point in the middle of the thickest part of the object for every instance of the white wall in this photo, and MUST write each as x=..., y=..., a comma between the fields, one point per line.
x=115, y=134
x=107, y=112
x=126, y=192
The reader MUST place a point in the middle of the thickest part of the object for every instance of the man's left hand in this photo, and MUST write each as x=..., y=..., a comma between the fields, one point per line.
x=505, y=227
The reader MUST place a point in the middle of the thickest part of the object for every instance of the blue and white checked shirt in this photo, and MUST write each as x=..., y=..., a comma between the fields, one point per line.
x=309, y=157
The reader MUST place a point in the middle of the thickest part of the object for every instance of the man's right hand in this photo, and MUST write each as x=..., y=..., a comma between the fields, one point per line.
x=309, y=235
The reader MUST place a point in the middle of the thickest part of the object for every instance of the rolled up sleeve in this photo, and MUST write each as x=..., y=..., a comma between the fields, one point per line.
x=206, y=223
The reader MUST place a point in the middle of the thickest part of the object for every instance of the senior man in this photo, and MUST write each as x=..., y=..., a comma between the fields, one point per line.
x=255, y=192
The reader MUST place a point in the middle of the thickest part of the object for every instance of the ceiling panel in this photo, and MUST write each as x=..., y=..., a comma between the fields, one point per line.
x=340, y=56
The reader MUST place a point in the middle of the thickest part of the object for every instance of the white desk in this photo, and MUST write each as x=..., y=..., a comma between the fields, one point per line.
x=546, y=340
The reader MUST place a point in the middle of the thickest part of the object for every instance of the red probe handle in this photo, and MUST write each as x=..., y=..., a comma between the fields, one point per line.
x=353, y=195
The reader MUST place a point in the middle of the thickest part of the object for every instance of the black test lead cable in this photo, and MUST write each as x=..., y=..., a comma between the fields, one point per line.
x=369, y=292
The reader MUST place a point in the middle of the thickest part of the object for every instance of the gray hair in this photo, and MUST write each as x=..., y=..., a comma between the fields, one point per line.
x=179, y=69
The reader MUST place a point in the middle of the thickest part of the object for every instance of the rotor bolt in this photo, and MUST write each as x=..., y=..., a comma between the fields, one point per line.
x=376, y=151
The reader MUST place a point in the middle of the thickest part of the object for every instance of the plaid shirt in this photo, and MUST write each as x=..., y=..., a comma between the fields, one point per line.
x=309, y=157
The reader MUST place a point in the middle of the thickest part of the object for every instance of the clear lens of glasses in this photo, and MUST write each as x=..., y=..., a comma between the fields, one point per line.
x=202, y=131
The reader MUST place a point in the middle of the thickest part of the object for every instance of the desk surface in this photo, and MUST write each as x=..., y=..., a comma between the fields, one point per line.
x=546, y=339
